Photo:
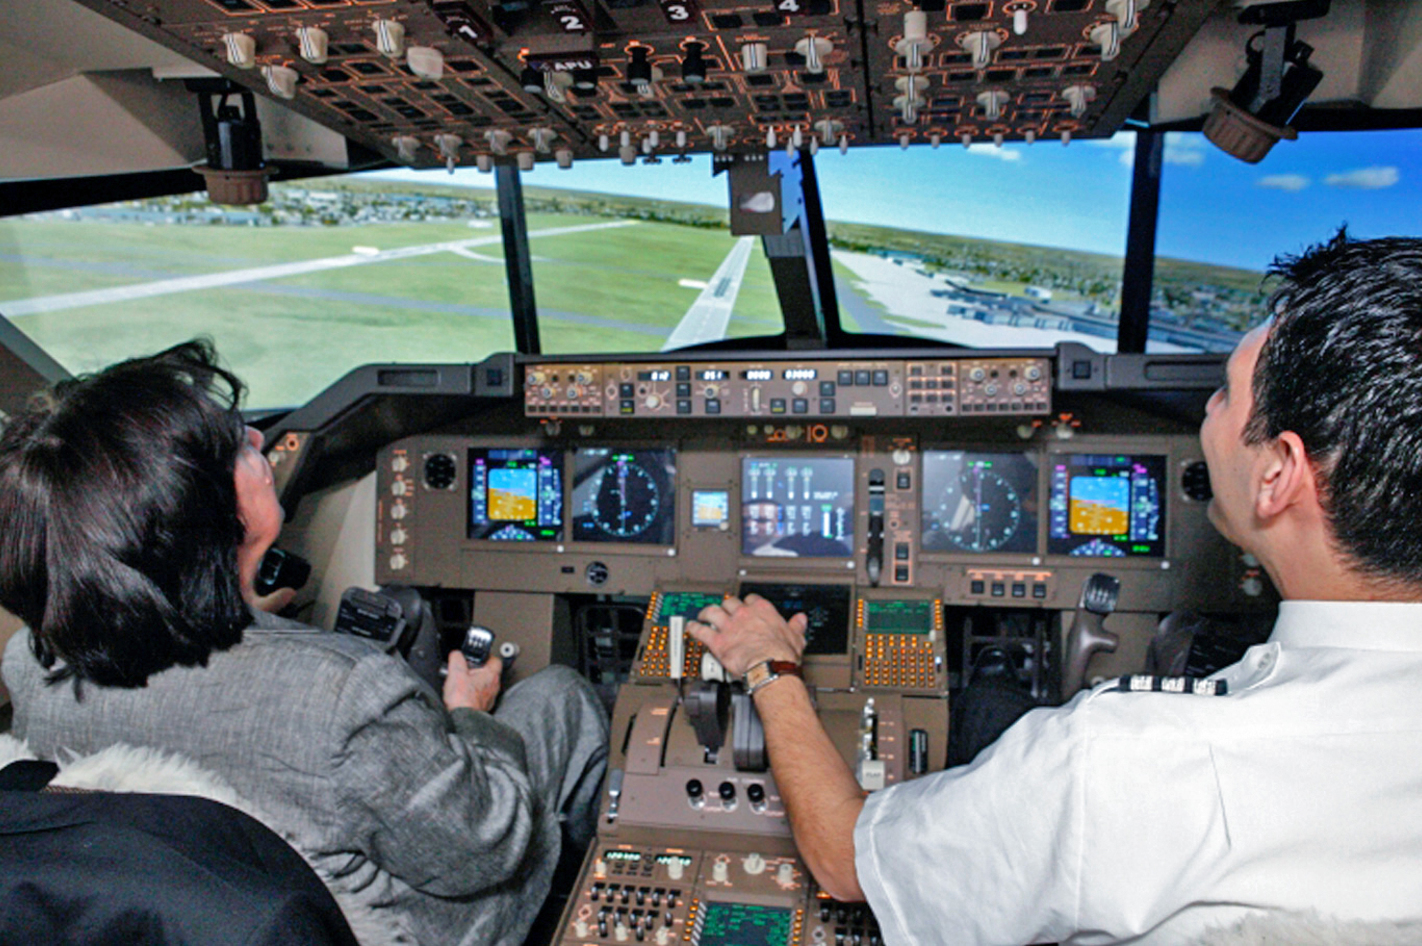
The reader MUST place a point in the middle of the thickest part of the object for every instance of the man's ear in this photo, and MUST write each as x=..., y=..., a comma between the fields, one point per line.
x=1286, y=477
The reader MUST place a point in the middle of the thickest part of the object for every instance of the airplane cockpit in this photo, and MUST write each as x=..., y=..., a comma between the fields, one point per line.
x=569, y=318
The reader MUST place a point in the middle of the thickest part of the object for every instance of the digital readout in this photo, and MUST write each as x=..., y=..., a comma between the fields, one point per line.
x=662, y=375
x=711, y=374
x=801, y=374
x=758, y=374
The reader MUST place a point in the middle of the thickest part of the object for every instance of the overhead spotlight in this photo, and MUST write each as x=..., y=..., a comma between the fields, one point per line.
x=1249, y=119
x=234, y=170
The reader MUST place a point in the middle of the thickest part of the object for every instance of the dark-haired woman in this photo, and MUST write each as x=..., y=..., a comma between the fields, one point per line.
x=136, y=507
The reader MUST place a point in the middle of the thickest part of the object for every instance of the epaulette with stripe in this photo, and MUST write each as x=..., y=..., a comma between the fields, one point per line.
x=1146, y=683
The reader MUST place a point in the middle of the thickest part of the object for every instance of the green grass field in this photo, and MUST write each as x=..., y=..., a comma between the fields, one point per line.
x=616, y=288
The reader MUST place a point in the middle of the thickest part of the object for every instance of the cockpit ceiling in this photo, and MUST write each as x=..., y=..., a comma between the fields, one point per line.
x=827, y=68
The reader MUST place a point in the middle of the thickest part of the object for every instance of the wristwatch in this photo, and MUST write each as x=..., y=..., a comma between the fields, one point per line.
x=768, y=671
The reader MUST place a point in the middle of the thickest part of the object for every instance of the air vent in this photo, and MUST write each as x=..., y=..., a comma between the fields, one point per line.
x=440, y=471
x=1195, y=482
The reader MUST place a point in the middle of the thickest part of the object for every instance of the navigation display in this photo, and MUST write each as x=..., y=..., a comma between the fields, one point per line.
x=1107, y=505
x=979, y=502
x=624, y=496
x=516, y=495
x=797, y=507
x=827, y=607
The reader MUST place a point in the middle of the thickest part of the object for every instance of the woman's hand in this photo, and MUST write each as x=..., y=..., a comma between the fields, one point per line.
x=475, y=688
x=274, y=602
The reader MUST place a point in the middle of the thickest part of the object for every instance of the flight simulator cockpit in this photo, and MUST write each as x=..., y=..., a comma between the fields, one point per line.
x=935, y=397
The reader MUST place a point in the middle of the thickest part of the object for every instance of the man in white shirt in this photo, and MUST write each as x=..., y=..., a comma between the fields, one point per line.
x=1292, y=784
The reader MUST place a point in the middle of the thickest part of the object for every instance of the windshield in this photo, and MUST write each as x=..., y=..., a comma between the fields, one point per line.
x=983, y=246
x=1222, y=221
x=325, y=276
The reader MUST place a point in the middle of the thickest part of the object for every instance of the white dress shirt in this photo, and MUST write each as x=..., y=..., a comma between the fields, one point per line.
x=1150, y=817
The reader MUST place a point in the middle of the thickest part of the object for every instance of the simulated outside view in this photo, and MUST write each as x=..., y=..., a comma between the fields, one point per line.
x=1012, y=247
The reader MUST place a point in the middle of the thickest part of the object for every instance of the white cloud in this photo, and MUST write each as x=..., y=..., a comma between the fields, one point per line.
x=1187, y=152
x=1284, y=182
x=993, y=151
x=1372, y=178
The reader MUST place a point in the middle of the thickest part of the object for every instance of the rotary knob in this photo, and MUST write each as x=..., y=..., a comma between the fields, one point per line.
x=398, y=510
x=398, y=535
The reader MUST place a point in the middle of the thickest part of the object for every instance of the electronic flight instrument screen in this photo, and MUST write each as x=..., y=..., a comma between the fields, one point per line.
x=743, y=924
x=979, y=502
x=797, y=507
x=624, y=496
x=516, y=495
x=827, y=607
x=1107, y=504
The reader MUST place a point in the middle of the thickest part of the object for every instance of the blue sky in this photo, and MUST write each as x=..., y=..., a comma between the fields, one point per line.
x=1214, y=208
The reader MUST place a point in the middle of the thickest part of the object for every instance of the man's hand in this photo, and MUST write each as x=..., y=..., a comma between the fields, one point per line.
x=473, y=688
x=741, y=634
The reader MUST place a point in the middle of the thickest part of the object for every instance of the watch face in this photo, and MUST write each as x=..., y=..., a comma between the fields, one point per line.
x=758, y=674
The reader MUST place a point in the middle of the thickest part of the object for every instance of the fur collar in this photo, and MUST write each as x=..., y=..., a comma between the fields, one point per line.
x=123, y=768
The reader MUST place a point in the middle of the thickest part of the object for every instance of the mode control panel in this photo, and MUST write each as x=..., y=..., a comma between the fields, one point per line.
x=783, y=389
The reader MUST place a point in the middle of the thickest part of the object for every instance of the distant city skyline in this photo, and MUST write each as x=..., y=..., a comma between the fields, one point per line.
x=1214, y=208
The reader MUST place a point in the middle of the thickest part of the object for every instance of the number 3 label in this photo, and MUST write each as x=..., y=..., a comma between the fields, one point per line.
x=678, y=12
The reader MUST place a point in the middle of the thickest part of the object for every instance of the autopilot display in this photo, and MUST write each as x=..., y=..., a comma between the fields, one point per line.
x=1107, y=505
x=979, y=502
x=516, y=495
x=826, y=607
x=797, y=507
x=624, y=496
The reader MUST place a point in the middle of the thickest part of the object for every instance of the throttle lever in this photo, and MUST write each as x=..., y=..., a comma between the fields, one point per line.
x=1088, y=635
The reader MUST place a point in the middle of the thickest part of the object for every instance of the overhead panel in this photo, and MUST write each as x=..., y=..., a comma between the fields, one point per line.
x=431, y=82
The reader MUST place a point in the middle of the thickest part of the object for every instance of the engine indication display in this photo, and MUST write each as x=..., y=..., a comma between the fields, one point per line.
x=797, y=507
x=1109, y=505
x=979, y=502
x=624, y=496
x=516, y=495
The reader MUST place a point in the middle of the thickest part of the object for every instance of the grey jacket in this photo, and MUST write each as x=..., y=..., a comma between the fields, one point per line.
x=430, y=815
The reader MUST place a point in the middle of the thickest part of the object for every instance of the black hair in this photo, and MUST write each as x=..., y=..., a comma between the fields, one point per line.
x=1342, y=368
x=119, y=511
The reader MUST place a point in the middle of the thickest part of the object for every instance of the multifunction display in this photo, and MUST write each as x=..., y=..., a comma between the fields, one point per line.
x=900, y=617
x=826, y=607
x=516, y=495
x=1107, y=505
x=743, y=924
x=979, y=502
x=624, y=496
x=797, y=507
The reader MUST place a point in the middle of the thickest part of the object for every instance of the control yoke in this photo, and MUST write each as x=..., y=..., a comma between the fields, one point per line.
x=1088, y=634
